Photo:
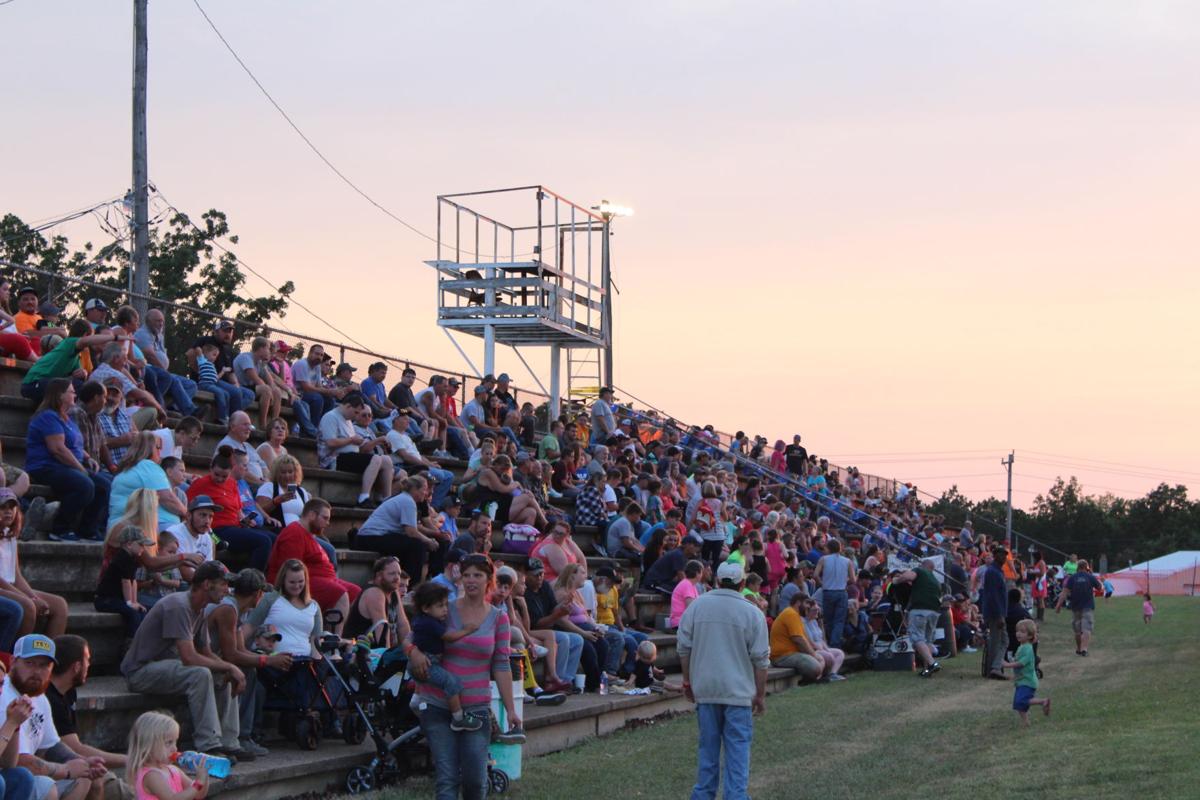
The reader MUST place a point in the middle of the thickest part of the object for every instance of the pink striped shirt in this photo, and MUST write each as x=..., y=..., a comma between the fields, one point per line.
x=472, y=659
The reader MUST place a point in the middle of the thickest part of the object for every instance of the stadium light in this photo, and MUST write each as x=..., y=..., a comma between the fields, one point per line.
x=609, y=210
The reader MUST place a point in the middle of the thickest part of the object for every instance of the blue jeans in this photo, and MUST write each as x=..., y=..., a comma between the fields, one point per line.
x=11, y=615
x=16, y=783
x=632, y=640
x=833, y=609
x=329, y=549
x=254, y=541
x=82, y=496
x=459, y=757
x=178, y=388
x=733, y=728
x=226, y=396
x=566, y=657
x=443, y=482
x=480, y=430
x=440, y=677
x=131, y=616
x=457, y=443
x=304, y=418
x=318, y=404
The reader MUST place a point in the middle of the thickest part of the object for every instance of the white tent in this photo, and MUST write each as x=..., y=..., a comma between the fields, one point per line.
x=1177, y=573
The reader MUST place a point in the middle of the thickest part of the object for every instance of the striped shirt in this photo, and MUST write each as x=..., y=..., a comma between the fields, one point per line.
x=473, y=658
x=205, y=371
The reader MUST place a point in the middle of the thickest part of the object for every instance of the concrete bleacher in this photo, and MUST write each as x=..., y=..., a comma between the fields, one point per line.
x=107, y=709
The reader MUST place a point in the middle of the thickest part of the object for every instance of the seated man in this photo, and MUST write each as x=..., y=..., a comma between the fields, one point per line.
x=790, y=646
x=475, y=416
x=237, y=437
x=69, y=673
x=27, y=318
x=340, y=448
x=319, y=396
x=114, y=366
x=298, y=541
x=252, y=371
x=405, y=455
x=667, y=570
x=394, y=529
x=152, y=341
x=170, y=655
x=373, y=391
x=401, y=397
x=623, y=534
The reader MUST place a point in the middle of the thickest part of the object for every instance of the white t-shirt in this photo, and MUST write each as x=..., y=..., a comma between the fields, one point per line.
x=292, y=508
x=169, y=447
x=334, y=426
x=401, y=443
x=37, y=732
x=610, y=494
x=8, y=560
x=295, y=626
x=192, y=544
x=435, y=402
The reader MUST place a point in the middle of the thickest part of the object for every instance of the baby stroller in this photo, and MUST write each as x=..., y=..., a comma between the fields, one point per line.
x=890, y=649
x=313, y=699
x=383, y=693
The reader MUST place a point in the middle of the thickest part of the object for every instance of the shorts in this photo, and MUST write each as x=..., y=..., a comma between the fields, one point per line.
x=353, y=462
x=11, y=474
x=1021, y=697
x=1083, y=620
x=42, y=785
x=922, y=625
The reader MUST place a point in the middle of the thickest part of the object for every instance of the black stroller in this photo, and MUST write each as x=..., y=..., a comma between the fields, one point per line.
x=384, y=699
x=313, y=699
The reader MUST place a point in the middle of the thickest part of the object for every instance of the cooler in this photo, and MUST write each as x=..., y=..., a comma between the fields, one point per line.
x=508, y=756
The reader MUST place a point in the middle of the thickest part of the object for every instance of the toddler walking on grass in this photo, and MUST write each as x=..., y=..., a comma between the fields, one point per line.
x=1025, y=666
x=1147, y=609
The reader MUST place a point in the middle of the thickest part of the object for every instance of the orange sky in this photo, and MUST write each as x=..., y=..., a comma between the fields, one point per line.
x=895, y=229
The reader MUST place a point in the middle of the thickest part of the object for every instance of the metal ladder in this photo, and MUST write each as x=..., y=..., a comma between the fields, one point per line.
x=583, y=374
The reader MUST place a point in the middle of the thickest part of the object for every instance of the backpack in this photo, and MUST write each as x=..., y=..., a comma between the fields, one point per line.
x=706, y=518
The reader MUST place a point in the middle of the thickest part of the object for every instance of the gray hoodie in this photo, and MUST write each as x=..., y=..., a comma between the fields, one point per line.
x=726, y=639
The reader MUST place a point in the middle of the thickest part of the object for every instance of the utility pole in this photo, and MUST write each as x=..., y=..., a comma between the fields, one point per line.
x=1008, y=464
x=140, y=266
x=606, y=282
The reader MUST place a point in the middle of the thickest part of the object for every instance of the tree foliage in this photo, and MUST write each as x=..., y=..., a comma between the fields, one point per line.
x=1067, y=519
x=187, y=266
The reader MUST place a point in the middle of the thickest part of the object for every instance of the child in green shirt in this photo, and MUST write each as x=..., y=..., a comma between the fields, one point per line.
x=1026, y=672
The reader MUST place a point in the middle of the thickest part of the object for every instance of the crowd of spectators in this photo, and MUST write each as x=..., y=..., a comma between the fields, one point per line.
x=667, y=505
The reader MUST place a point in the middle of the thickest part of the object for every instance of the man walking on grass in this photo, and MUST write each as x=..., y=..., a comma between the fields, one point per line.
x=724, y=652
x=1081, y=587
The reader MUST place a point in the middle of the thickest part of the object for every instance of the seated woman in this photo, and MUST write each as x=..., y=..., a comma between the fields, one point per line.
x=141, y=468
x=557, y=549
x=609, y=644
x=832, y=656
x=54, y=456
x=272, y=448
x=282, y=497
x=513, y=504
x=39, y=610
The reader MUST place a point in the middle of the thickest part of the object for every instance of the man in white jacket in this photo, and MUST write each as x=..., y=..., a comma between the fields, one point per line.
x=725, y=639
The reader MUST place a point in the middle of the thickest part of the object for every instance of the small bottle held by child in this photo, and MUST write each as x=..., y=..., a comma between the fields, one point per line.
x=190, y=761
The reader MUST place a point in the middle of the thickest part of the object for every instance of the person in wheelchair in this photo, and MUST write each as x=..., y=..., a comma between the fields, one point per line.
x=305, y=692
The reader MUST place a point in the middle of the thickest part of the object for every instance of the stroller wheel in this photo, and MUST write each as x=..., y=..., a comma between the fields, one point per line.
x=308, y=733
x=354, y=730
x=360, y=779
x=498, y=780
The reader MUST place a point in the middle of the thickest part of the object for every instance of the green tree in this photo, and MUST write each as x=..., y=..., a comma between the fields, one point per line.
x=187, y=266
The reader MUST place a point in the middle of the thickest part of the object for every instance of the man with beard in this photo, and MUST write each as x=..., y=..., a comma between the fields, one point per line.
x=70, y=671
x=42, y=752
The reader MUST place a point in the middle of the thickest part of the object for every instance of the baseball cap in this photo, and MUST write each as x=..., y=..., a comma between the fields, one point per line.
x=203, y=501
x=454, y=556
x=222, y=324
x=34, y=646
x=282, y=345
x=730, y=572
x=268, y=631
x=26, y=290
x=210, y=571
x=606, y=572
x=95, y=303
x=534, y=564
x=345, y=366
x=805, y=564
x=692, y=538
x=133, y=533
x=48, y=309
x=7, y=496
x=503, y=377
x=522, y=457
x=454, y=382
x=481, y=389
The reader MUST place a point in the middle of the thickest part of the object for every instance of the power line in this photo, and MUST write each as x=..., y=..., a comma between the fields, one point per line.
x=1114, y=463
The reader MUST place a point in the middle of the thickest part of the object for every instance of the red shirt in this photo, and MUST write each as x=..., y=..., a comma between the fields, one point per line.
x=295, y=541
x=223, y=494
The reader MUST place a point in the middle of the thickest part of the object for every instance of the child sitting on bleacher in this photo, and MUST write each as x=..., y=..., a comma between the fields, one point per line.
x=752, y=591
x=154, y=585
x=520, y=644
x=116, y=591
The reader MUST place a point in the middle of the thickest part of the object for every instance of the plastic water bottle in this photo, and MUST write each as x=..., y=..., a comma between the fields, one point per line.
x=190, y=761
x=603, y=683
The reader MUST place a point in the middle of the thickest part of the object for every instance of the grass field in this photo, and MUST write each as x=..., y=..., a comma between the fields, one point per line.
x=1125, y=722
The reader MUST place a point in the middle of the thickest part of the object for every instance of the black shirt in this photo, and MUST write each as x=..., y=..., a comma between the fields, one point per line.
x=540, y=603
x=643, y=674
x=796, y=457
x=62, y=710
x=402, y=396
x=120, y=567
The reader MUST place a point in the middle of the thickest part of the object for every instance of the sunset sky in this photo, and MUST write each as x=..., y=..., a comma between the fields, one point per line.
x=919, y=234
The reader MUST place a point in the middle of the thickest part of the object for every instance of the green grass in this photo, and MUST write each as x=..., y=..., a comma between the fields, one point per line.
x=1125, y=723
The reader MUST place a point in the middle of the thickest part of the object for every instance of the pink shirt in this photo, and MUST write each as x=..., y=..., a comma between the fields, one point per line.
x=685, y=590
x=175, y=779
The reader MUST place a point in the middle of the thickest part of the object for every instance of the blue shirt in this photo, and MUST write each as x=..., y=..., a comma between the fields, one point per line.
x=427, y=634
x=441, y=579
x=143, y=475
x=1080, y=587
x=249, y=507
x=371, y=390
x=49, y=423
x=993, y=594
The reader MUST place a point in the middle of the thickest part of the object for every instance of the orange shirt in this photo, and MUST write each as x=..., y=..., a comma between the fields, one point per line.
x=26, y=323
x=787, y=625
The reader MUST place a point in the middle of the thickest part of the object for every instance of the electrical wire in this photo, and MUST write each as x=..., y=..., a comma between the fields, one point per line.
x=1110, y=463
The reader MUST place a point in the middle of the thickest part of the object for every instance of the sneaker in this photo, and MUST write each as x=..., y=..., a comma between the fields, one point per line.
x=539, y=651
x=441, y=454
x=549, y=698
x=253, y=748
x=997, y=676
x=1083, y=652
x=233, y=754
x=515, y=735
x=836, y=677
x=64, y=537
x=554, y=494
x=970, y=649
x=935, y=667
x=469, y=722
